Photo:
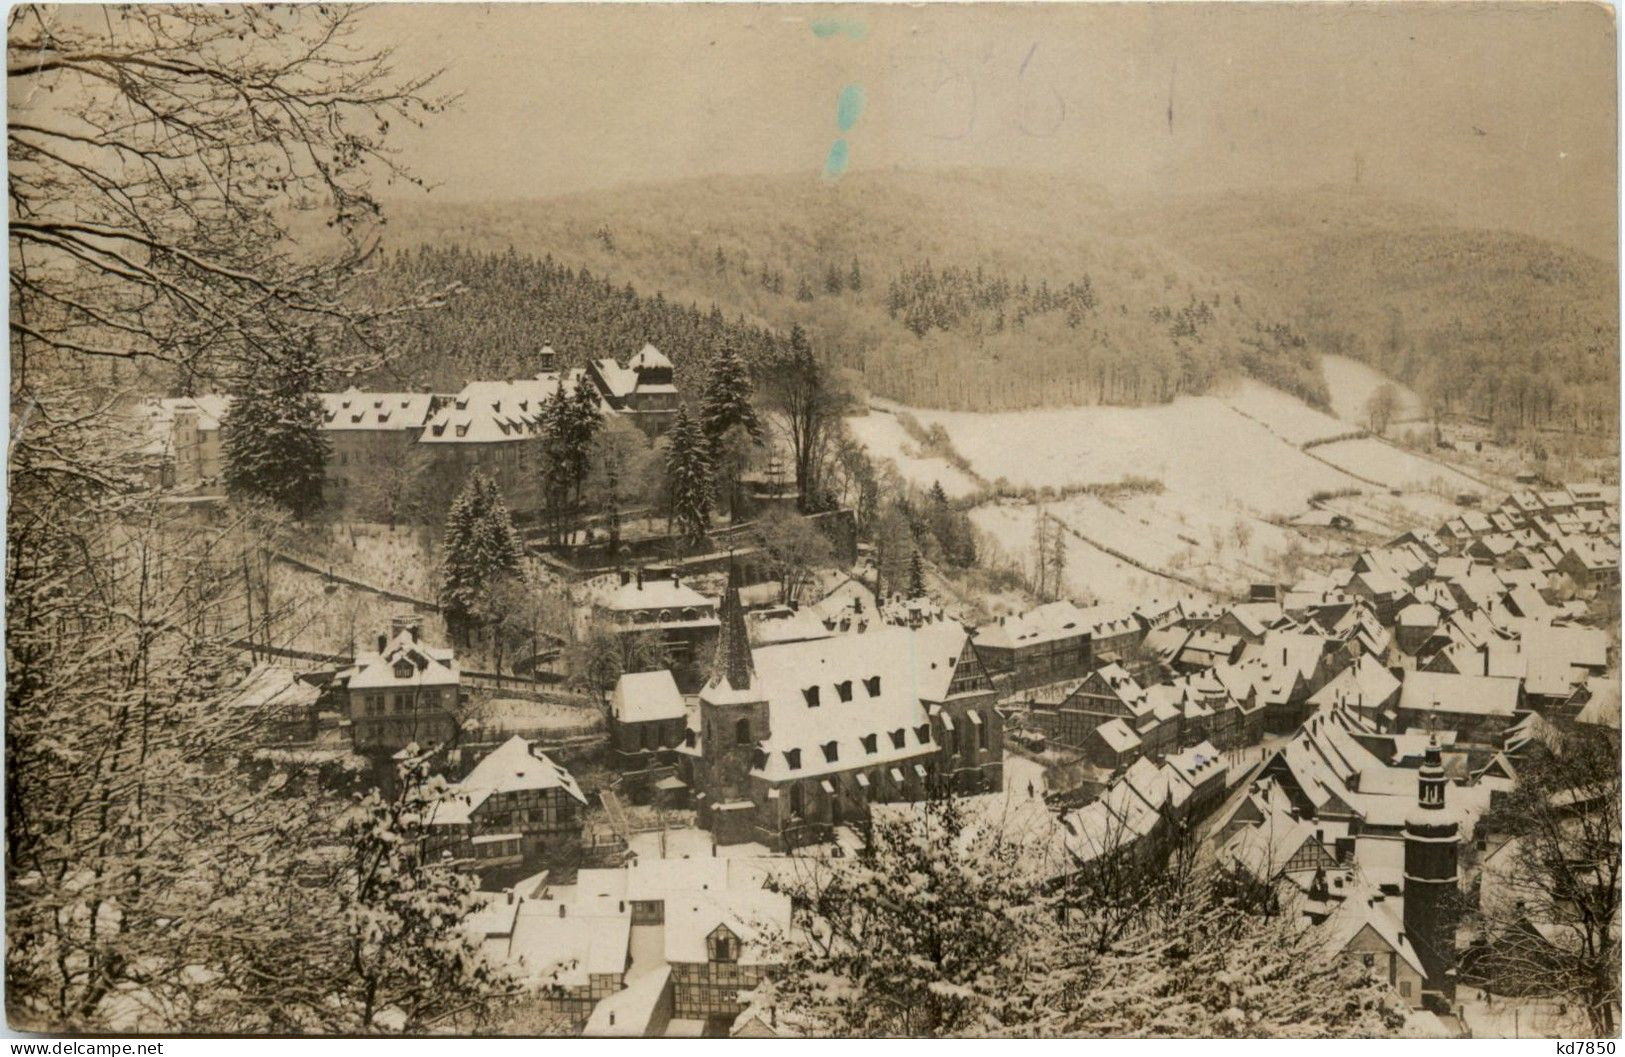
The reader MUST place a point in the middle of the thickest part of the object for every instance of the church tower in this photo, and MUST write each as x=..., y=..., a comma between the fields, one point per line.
x=733, y=714
x=1432, y=889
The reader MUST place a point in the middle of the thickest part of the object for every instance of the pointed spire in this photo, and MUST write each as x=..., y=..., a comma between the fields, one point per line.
x=733, y=662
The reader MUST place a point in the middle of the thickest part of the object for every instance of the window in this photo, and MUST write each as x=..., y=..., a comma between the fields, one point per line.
x=872, y=685
x=953, y=742
x=724, y=945
x=832, y=752
x=923, y=732
x=869, y=743
x=1404, y=989
x=403, y=703
x=1370, y=960
x=897, y=738
x=742, y=732
x=843, y=690
x=981, y=734
x=811, y=694
x=403, y=669
x=792, y=759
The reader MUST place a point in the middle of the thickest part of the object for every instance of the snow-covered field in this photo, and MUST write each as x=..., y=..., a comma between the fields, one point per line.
x=881, y=432
x=1232, y=467
x=1352, y=383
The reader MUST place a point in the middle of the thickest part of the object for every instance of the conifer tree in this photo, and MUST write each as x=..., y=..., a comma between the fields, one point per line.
x=689, y=477
x=273, y=441
x=726, y=401
x=832, y=280
x=916, y=576
x=854, y=278
x=481, y=547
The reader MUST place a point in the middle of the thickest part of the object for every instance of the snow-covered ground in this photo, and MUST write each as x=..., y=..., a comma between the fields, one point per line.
x=1231, y=464
x=881, y=433
x=1352, y=383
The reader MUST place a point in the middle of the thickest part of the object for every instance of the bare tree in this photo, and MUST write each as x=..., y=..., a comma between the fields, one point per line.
x=1550, y=908
x=156, y=154
x=1381, y=407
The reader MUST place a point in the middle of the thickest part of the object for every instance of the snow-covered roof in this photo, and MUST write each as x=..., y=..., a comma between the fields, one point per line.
x=1468, y=694
x=271, y=688
x=658, y=593
x=486, y=412
x=209, y=408
x=405, y=662
x=642, y=697
x=568, y=948
x=1366, y=911
x=1118, y=736
x=888, y=675
x=649, y=358
x=354, y=409
x=754, y=917
x=1363, y=684
x=512, y=767
x=1602, y=709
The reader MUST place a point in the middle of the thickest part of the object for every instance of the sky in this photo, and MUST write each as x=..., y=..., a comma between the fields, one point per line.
x=1505, y=114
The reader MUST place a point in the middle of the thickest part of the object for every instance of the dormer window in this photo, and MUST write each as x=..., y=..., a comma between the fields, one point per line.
x=722, y=945
x=832, y=752
x=792, y=759
x=872, y=685
x=844, y=690
x=923, y=732
x=811, y=694
x=404, y=669
x=758, y=759
x=870, y=743
x=897, y=738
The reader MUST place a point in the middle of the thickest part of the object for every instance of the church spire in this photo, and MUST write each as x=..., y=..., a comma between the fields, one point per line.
x=1431, y=780
x=733, y=662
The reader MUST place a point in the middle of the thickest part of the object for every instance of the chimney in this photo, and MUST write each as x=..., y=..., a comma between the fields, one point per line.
x=674, y=580
x=561, y=910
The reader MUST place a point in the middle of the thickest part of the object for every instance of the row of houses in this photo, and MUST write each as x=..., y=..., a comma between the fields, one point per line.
x=659, y=947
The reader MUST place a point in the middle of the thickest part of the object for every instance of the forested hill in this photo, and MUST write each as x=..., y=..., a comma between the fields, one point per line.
x=983, y=290
x=1507, y=327
x=965, y=290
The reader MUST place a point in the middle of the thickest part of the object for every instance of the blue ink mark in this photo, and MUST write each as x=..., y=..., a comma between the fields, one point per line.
x=849, y=107
x=835, y=164
x=824, y=28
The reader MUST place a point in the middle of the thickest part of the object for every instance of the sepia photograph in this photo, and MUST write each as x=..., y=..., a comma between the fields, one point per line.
x=812, y=521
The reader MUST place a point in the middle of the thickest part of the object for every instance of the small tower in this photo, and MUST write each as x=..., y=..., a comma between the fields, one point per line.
x=733, y=708
x=1432, y=890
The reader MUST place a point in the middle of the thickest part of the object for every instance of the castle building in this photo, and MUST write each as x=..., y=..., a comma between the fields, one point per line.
x=492, y=426
x=788, y=740
x=1432, y=888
